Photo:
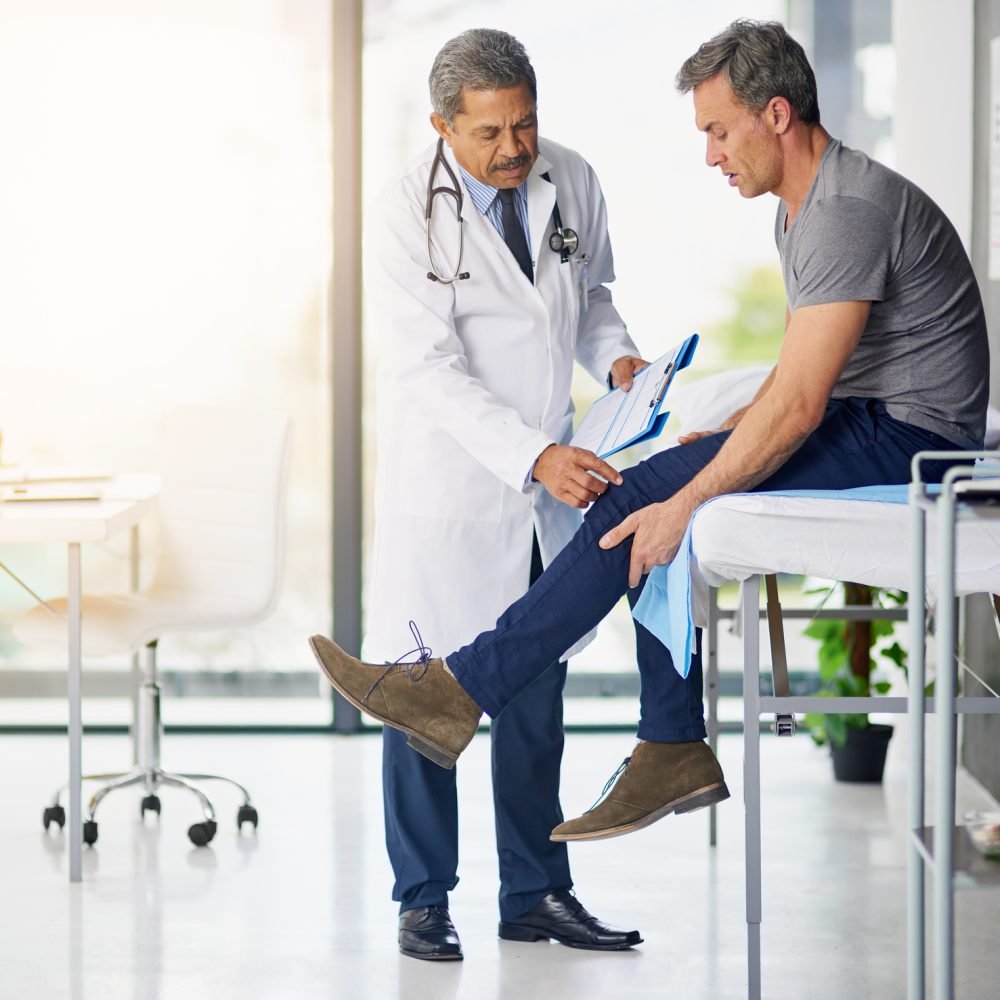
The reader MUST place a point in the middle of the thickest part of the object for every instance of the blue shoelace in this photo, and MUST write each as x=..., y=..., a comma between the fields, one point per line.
x=414, y=671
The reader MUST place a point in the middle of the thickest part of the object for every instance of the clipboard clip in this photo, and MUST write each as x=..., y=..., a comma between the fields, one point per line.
x=661, y=387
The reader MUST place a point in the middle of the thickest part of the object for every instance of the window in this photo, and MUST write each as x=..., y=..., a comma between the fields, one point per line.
x=166, y=189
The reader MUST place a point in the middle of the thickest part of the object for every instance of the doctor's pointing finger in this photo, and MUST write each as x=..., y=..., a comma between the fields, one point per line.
x=571, y=474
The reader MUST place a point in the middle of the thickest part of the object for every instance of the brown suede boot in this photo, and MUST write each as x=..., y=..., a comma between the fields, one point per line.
x=420, y=699
x=659, y=778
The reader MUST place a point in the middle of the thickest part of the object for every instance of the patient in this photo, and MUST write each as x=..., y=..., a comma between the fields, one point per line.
x=884, y=355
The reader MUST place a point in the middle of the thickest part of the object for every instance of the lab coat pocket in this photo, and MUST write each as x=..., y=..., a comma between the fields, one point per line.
x=580, y=265
x=572, y=304
x=435, y=477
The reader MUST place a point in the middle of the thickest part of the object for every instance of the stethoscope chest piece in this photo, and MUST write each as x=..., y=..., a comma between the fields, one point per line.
x=564, y=242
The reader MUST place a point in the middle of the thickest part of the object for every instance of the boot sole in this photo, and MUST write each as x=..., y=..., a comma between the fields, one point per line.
x=699, y=799
x=420, y=743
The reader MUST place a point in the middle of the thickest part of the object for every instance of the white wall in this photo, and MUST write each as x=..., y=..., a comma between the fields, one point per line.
x=932, y=125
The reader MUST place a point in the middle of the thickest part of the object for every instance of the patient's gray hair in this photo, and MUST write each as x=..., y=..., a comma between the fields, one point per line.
x=760, y=60
x=479, y=59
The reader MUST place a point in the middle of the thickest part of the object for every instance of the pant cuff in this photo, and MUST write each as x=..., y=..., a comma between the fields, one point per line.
x=428, y=894
x=467, y=678
x=672, y=734
x=517, y=905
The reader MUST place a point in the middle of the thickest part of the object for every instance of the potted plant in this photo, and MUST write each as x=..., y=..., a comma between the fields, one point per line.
x=848, y=661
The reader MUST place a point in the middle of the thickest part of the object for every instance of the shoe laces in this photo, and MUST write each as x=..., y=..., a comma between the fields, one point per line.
x=414, y=670
x=569, y=900
x=622, y=768
x=437, y=912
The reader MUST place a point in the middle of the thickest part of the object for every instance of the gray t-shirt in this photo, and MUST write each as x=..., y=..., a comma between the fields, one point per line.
x=866, y=234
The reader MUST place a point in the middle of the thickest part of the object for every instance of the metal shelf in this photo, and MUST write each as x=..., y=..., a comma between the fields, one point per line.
x=962, y=496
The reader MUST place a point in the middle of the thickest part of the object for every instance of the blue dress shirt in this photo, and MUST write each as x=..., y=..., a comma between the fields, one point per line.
x=484, y=197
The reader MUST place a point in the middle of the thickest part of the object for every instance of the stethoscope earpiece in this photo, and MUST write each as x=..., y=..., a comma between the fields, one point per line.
x=461, y=276
x=455, y=192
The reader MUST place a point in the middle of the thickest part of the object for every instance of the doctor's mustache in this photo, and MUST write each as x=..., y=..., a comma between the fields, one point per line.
x=511, y=164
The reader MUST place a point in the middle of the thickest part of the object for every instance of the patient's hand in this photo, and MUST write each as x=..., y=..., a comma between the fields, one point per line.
x=727, y=425
x=657, y=529
x=698, y=435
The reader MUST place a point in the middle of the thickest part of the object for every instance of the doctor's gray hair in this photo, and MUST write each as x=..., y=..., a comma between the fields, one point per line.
x=760, y=60
x=477, y=59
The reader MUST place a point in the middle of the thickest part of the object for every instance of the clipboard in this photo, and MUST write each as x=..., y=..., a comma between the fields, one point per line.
x=620, y=419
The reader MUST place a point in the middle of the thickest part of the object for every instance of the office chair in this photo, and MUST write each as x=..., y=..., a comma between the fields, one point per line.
x=219, y=565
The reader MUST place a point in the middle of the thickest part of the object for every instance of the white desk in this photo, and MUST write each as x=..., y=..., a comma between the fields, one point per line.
x=125, y=501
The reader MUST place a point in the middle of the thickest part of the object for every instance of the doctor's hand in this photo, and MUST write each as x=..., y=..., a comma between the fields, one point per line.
x=658, y=531
x=566, y=472
x=623, y=370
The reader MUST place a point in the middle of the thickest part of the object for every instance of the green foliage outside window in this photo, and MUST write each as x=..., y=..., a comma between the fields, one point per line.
x=848, y=659
x=752, y=334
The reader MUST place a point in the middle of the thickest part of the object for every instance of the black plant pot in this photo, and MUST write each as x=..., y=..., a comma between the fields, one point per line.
x=862, y=757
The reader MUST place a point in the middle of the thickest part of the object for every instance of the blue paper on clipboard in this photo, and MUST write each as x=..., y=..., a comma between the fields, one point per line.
x=619, y=419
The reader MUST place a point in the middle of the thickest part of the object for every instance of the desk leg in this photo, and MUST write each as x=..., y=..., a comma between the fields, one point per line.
x=751, y=777
x=134, y=674
x=75, y=719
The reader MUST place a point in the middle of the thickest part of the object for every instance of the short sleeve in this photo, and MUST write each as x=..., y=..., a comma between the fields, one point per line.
x=843, y=253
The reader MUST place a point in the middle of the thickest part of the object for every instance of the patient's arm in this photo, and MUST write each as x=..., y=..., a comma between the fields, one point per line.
x=818, y=343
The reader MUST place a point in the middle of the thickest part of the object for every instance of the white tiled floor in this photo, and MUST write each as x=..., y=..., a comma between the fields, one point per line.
x=302, y=909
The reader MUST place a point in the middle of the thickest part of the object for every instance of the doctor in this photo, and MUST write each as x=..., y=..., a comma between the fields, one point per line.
x=478, y=318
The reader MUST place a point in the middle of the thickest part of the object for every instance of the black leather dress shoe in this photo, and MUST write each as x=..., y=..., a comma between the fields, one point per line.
x=427, y=932
x=559, y=915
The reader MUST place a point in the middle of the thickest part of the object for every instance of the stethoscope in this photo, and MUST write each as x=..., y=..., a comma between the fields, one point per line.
x=563, y=241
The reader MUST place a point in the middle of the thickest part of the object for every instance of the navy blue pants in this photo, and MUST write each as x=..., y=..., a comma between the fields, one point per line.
x=857, y=444
x=421, y=804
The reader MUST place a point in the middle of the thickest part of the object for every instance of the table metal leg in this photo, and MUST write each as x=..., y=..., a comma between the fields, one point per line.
x=711, y=650
x=751, y=777
x=75, y=718
x=915, y=875
x=944, y=690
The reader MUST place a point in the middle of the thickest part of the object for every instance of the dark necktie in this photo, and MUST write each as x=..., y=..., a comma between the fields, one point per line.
x=513, y=232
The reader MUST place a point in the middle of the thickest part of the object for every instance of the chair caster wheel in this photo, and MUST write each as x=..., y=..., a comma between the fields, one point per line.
x=247, y=814
x=90, y=831
x=54, y=814
x=201, y=833
x=150, y=803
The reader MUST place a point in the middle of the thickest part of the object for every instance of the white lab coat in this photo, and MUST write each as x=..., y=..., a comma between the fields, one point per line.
x=473, y=383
